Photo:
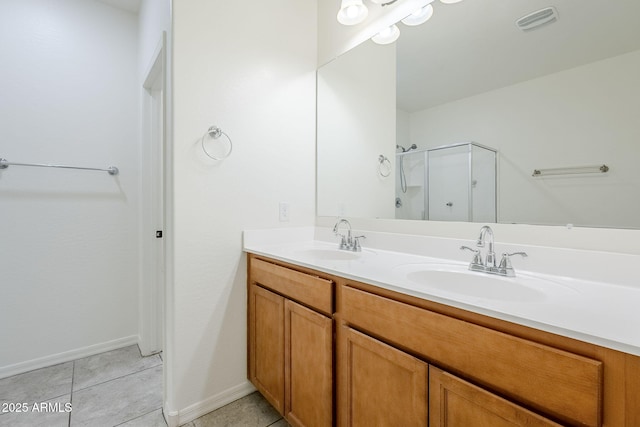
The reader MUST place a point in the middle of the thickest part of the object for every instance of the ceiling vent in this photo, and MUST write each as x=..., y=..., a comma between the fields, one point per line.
x=537, y=19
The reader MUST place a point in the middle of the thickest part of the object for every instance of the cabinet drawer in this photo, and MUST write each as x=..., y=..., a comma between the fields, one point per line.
x=310, y=290
x=563, y=385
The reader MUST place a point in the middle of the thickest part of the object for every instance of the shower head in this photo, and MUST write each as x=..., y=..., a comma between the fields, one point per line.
x=404, y=150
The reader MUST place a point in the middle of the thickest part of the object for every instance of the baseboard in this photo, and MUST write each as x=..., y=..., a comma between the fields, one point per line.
x=55, y=359
x=212, y=403
x=172, y=418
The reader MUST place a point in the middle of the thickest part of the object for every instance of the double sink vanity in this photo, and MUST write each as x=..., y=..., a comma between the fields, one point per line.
x=406, y=331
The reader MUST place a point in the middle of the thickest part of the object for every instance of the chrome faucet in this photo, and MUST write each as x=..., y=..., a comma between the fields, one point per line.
x=348, y=242
x=489, y=264
x=486, y=234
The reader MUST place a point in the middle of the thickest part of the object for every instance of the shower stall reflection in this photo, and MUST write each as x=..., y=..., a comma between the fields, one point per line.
x=455, y=182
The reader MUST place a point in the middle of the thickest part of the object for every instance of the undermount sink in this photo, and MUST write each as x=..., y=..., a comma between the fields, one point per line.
x=328, y=254
x=458, y=279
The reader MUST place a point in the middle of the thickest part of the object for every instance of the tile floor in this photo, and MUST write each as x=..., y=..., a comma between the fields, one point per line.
x=250, y=411
x=116, y=388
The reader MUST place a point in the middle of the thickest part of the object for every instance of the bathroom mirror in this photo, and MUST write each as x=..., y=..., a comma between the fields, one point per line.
x=562, y=99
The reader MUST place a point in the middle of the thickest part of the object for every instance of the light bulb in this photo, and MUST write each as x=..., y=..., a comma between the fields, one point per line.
x=420, y=16
x=352, y=12
x=450, y=1
x=387, y=36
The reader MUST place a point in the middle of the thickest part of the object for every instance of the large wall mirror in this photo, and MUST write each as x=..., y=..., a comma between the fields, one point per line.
x=469, y=117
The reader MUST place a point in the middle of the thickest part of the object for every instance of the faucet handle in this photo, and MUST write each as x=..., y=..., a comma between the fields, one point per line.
x=477, y=258
x=523, y=254
x=505, y=263
x=356, y=243
x=343, y=242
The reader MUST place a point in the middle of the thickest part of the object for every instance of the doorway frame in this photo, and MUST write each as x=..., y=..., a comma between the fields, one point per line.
x=153, y=203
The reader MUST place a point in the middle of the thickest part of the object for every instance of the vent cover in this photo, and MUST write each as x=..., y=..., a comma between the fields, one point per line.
x=537, y=19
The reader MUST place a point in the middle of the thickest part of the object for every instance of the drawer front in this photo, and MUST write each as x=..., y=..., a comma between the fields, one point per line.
x=310, y=290
x=561, y=384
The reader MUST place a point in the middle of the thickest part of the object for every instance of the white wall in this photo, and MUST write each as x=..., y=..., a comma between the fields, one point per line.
x=69, y=251
x=583, y=116
x=154, y=17
x=357, y=117
x=248, y=67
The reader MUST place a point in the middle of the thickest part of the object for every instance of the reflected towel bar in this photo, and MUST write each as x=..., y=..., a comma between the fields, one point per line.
x=571, y=170
x=4, y=163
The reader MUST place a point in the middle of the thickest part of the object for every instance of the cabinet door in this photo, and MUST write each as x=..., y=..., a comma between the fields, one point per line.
x=308, y=367
x=456, y=403
x=266, y=344
x=379, y=385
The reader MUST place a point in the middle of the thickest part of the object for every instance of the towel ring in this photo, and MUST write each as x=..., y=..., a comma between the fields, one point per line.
x=215, y=132
x=384, y=166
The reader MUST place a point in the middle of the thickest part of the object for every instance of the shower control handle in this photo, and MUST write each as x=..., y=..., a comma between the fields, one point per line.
x=449, y=204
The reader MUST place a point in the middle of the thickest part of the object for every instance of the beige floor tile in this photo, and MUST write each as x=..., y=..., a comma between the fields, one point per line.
x=250, y=411
x=152, y=419
x=37, y=386
x=110, y=365
x=120, y=400
x=280, y=423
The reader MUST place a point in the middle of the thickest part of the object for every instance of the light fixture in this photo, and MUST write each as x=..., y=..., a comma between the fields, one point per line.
x=352, y=12
x=450, y=1
x=537, y=19
x=387, y=36
x=420, y=16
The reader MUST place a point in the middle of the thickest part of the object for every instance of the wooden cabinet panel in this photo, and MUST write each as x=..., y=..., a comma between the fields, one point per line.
x=378, y=385
x=266, y=344
x=308, y=367
x=456, y=403
x=561, y=384
x=310, y=290
x=632, y=401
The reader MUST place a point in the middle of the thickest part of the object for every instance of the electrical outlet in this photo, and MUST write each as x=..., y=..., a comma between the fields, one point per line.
x=284, y=212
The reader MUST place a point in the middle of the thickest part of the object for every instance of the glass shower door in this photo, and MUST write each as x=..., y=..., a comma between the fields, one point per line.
x=461, y=182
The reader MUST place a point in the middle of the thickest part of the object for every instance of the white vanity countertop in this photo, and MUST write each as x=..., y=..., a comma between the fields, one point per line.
x=601, y=311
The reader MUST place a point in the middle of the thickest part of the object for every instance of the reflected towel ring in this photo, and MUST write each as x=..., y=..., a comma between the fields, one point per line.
x=215, y=132
x=384, y=166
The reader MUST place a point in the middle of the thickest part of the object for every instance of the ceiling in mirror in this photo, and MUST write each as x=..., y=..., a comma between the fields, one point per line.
x=561, y=98
x=475, y=46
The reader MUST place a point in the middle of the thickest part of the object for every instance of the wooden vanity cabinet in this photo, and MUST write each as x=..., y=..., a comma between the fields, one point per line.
x=290, y=342
x=406, y=361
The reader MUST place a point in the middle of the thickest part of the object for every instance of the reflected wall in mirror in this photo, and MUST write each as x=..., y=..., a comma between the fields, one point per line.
x=564, y=95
